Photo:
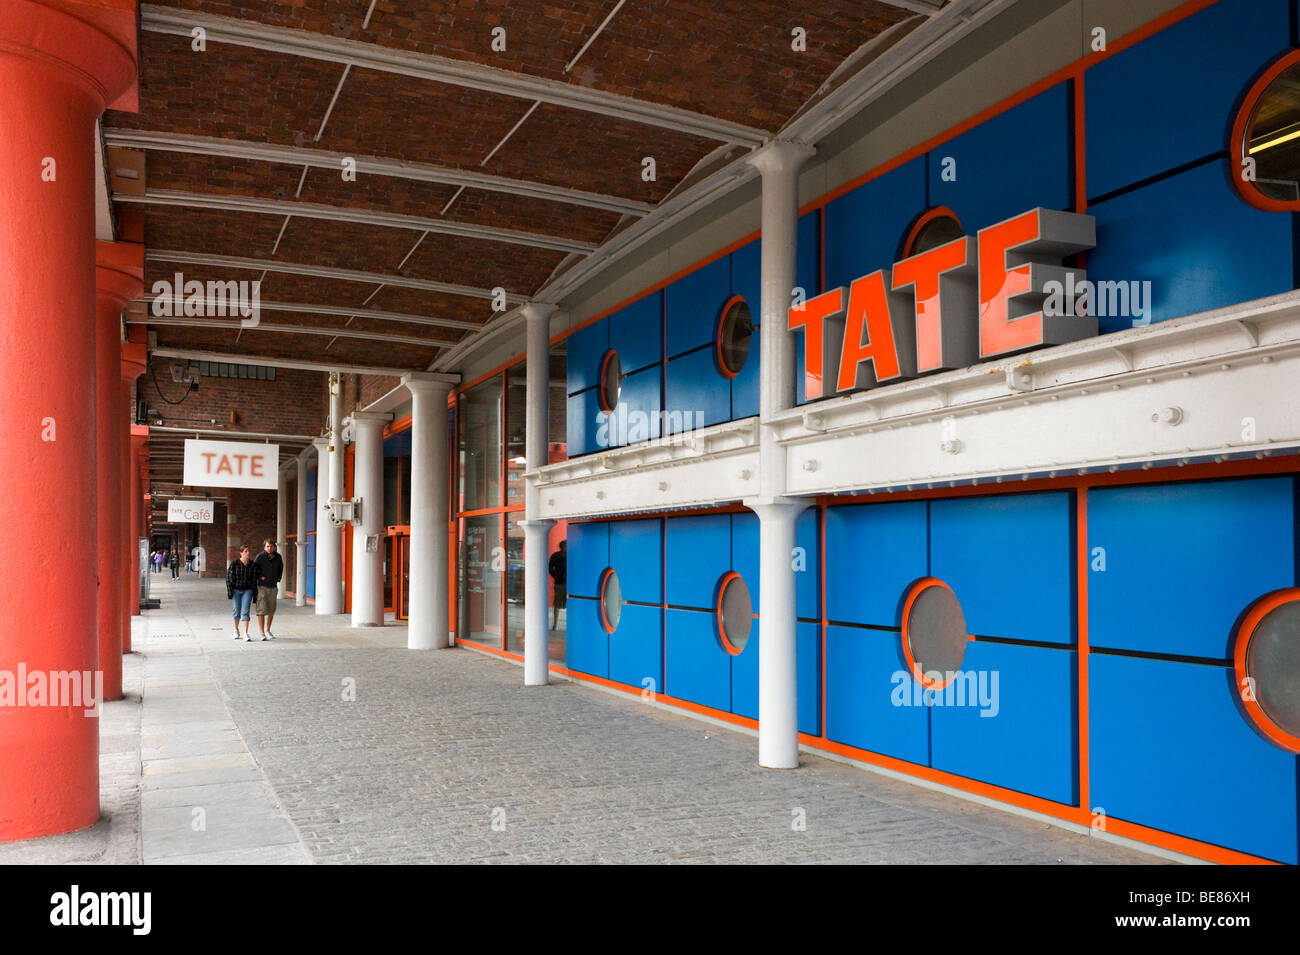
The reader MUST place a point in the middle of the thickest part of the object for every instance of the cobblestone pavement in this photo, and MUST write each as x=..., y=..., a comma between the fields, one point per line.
x=378, y=754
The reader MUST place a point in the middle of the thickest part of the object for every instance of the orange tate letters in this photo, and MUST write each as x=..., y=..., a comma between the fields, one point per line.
x=868, y=308
x=1000, y=333
x=811, y=318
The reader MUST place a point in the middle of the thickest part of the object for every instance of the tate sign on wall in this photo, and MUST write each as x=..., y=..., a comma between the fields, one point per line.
x=189, y=512
x=231, y=464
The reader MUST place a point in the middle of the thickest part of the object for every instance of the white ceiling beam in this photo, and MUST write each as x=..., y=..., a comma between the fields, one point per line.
x=324, y=272
x=269, y=436
x=441, y=69
x=236, y=325
x=340, y=310
x=164, y=141
x=391, y=220
x=325, y=367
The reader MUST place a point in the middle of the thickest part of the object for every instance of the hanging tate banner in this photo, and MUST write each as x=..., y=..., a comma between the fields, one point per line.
x=231, y=464
x=189, y=512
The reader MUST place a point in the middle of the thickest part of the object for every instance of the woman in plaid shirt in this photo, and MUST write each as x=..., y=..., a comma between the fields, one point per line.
x=241, y=585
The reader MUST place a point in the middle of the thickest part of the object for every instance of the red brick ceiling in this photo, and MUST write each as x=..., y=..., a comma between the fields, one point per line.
x=731, y=60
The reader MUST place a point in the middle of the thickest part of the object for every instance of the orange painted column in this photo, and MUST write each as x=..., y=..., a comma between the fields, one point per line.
x=57, y=74
x=119, y=277
x=132, y=367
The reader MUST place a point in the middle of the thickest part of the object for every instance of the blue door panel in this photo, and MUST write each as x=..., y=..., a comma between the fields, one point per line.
x=1184, y=560
x=1196, y=69
x=1016, y=725
x=635, y=647
x=1009, y=561
x=994, y=180
x=696, y=667
x=586, y=645
x=864, y=226
x=692, y=305
x=1170, y=751
x=869, y=698
x=744, y=678
x=635, y=552
x=1199, y=244
x=695, y=387
x=583, y=419
x=636, y=332
x=636, y=417
x=587, y=555
x=873, y=552
x=699, y=553
x=744, y=387
x=585, y=349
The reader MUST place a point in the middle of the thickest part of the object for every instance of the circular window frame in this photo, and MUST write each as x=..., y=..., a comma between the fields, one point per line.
x=906, y=248
x=610, y=355
x=1237, y=138
x=1255, y=714
x=605, y=576
x=914, y=590
x=723, y=312
x=726, y=581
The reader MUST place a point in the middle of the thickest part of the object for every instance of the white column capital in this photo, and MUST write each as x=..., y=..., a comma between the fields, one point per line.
x=369, y=417
x=427, y=382
x=777, y=507
x=780, y=155
x=320, y=444
x=537, y=311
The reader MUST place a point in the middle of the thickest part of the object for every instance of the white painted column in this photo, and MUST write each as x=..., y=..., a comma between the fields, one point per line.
x=329, y=539
x=537, y=318
x=427, y=605
x=300, y=564
x=281, y=502
x=778, y=682
x=368, y=486
x=337, y=474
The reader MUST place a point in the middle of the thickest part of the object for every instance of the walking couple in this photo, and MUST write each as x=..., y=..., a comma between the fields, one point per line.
x=251, y=584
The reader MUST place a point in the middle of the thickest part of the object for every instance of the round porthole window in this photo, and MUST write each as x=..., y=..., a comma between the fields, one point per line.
x=611, y=600
x=735, y=613
x=934, y=632
x=735, y=331
x=1266, y=658
x=932, y=228
x=611, y=380
x=1265, y=142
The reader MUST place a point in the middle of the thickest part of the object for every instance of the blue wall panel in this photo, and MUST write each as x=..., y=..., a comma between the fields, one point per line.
x=583, y=422
x=744, y=387
x=636, y=417
x=863, y=670
x=586, y=645
x=744, y=559
x=692, y=304
x=1196, y=70
x=1019, y=732
x=1184, y=560
x=696, y=666
x=584, y=350
x=807, y=271
x=588, y=555
x=1009, y=561
x=744, y=551
x=1170, y=751
x=865, y=226
x=635, y=552
x=696, y=386
x=873, y=552
x=995, y=179
x=635, y=647
x=746, y=276
x=636, y=332
x=1199, y=244
x=744, y=678
x=699, y=552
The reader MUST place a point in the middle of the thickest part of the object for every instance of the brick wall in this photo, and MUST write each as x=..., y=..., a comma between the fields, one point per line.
x=295, y=403
x=375, y=386
x=250, y=519
x=212, y=538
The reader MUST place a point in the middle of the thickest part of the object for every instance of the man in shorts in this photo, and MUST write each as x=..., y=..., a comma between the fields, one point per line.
x=270, y=567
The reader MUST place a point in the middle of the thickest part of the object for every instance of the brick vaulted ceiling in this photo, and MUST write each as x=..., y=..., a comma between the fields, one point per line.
x=243, y=144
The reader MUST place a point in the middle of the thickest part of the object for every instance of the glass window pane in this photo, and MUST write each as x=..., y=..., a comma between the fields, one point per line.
x=404, y=512
x=479, y=590
x=516, y=432
x=480, y=446
x=514, y=583
x=390, y=492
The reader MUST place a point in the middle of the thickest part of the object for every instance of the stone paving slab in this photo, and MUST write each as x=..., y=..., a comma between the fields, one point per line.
x=334, y=744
